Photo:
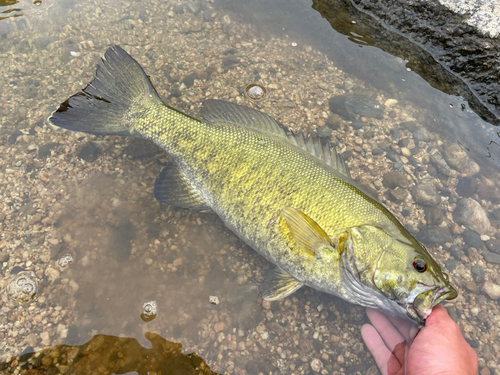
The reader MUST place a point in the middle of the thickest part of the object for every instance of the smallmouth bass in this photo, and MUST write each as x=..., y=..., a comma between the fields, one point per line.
x=290, y=199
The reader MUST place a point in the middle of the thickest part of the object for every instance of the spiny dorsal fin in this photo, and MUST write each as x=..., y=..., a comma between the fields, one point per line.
x=173, y=188
x=222, y=111
x=321, y=151
x=279, y=284
x=214, y=110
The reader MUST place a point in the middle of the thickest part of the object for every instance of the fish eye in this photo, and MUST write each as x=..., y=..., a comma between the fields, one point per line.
x=419, y=265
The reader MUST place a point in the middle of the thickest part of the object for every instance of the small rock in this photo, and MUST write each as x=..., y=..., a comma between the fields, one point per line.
x=398, y=195
x=316, y=365
x=276, y=328
x=324, y=132
x=435, y=235
x=440, y=164
x=89, y=152
x=373, y=370
x=477, y=270
x=450, y=264
x=456, y=252
x=456, y=157
x=4, y=256
x=141, y=149
x=472, y=239
x=433, y=215
x=334, y=121
x=189, y=79
x=426, y=194
x=219, y=326
x=470, y=213
x=471, y=286
x=492, y=245
x=52, y=274
x=491, y=257
x=394, y=179
x=491, y=289
x=466, y=187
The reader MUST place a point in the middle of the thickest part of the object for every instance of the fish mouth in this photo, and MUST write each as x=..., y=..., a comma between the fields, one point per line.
x=424, y=297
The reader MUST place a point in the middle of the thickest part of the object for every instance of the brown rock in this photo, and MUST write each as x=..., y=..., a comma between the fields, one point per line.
x=491, y=289
x=219, y=326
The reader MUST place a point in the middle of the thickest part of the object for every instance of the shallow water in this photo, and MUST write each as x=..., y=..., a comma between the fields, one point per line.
x=91, y=198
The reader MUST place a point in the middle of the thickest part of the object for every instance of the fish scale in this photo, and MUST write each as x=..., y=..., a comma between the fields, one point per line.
x=290, y=199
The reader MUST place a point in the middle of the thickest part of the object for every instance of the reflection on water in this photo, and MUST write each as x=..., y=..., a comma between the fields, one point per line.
x=110, y=355
x=78, y=211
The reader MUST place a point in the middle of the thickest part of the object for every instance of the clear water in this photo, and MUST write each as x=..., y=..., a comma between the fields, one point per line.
x=99, y=246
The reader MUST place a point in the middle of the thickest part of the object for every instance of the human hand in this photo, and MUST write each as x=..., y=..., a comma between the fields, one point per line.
x=438, y=348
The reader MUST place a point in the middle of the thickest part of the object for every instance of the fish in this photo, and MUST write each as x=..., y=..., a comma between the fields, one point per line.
x=288, y=197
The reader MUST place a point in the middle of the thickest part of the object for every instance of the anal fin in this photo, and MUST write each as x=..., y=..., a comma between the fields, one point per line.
x=173, y=188
x=279, y=284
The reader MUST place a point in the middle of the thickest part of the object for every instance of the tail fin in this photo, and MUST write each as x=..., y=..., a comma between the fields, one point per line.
x=104, y=106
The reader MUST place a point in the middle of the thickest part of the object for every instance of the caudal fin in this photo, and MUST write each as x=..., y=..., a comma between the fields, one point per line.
x=109, y=101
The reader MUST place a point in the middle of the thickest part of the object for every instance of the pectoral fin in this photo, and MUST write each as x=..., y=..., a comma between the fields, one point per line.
x=279, y=284
x=306, y=233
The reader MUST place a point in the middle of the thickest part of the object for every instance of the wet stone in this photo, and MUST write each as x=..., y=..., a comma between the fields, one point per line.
x=433, y=215
x=230, y=62
x=466, y=186
x=276, y=328
x=90, y=152
x=493, y=245
x=426, y=194
x=450, y=264
x=395, y=179
x=495, y=214
x=4, y=256
x=13, y=137
x=334, y=121
x=477, y=270
x=44, y=150
x=357, y=124
x=440, y=164
x=435, y=235
x=43, y=41
x=491, y=257
x=470, y=213
x=364, y=106
x=398, y=195
x=456, y=252
x=189, y=79
x=139, y=149
x=472, y=239
x=491, y=289
x=471, y=286
x=456, y=157
x=324, y=132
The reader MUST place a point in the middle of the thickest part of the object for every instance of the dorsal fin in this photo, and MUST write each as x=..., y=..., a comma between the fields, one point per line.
x=214, y=110
x=322, y=152
x=222, y=111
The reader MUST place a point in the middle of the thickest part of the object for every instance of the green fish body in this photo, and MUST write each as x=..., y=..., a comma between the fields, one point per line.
x=290, y=199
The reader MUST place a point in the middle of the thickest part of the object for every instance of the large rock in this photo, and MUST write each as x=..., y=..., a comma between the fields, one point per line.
x=472, y=215
x=461, y=35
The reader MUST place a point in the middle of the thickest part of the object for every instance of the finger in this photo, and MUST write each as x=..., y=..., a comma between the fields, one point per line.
x=386, y=329
x=407, y=328
x=387, y=363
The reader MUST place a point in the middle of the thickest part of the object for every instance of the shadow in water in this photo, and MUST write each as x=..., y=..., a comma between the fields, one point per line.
x=110, y=355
